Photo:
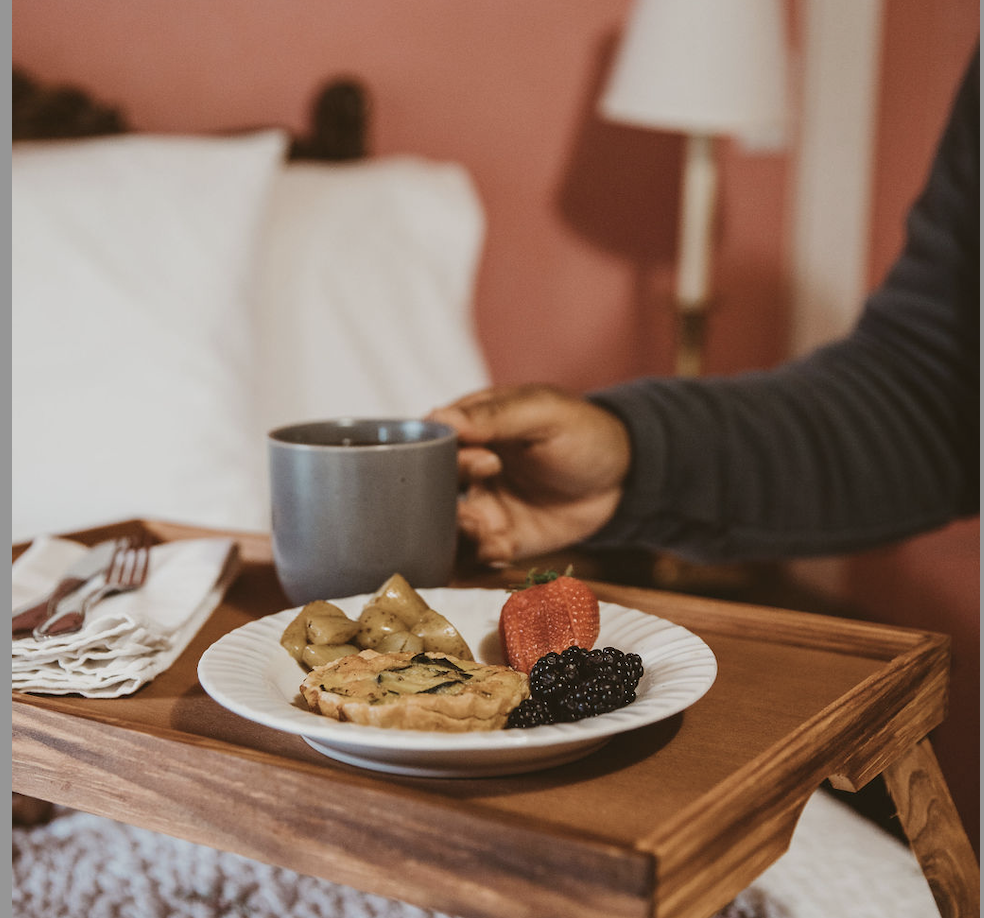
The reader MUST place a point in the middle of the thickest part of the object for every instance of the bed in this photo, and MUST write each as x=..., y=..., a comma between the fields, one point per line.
x=175, y=297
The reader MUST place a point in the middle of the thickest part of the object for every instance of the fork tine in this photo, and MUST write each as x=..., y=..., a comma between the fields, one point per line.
x=141, y=563
x=116, y=562
x=137, y=563
x=117, y=571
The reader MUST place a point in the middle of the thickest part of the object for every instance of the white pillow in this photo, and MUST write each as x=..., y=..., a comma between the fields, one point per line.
x=131, y=260
x=365, y=290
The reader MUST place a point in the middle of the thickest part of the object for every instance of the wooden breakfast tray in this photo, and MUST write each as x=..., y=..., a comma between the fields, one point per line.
x=671, y=820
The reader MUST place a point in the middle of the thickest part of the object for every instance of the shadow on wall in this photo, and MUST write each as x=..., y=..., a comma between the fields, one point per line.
x=621, y=186
x=620, y=193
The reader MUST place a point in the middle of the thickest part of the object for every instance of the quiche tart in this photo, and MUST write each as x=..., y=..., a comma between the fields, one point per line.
x=415, y=691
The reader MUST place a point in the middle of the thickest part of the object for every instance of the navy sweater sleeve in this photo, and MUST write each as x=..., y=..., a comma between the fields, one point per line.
x=867, y=440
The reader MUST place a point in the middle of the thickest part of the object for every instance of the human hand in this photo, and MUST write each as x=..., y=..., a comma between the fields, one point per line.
x=543, y=469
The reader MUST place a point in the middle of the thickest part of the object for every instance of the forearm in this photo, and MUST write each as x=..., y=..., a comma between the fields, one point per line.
x=822, y=457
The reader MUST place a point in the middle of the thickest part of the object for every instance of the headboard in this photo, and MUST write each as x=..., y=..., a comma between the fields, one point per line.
x=337, y=130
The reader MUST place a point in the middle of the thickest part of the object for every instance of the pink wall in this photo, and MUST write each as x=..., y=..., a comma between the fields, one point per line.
x=578, y=265
x=925, y=49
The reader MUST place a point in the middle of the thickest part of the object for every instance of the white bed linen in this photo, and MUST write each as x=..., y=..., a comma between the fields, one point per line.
x=176, y=297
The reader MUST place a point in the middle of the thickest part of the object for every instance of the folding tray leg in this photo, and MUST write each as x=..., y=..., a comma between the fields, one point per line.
x=935, y=832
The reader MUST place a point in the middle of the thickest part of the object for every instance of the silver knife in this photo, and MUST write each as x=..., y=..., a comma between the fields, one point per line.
x=92, y=564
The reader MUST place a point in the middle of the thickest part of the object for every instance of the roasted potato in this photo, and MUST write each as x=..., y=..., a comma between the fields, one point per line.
x=440, y=635
x=397, y=596
x=319, y=654
x=400, y=642
x=323, y=608
x=318, y=622
x=328, y=628
x=294, y=638
x=374, y=624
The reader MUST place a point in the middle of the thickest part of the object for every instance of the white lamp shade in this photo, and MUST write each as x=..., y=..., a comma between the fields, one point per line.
x=702, y=67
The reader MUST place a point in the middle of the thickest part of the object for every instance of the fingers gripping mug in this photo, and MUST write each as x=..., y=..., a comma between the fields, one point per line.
x=356, y=500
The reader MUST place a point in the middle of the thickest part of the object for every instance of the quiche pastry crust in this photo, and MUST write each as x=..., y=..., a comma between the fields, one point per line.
x=422, y=691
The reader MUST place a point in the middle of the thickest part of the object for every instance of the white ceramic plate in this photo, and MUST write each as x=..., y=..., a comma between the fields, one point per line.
x=248, y=672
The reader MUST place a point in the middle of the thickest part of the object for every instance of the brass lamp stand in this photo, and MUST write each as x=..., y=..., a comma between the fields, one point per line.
x=695, y=233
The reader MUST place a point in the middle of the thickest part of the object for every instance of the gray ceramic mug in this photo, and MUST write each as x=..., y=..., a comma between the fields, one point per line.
x=355, y=500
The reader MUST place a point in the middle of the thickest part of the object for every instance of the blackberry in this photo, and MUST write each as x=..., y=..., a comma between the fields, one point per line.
x=555, y=674
x=578, y=683
x=530, y=712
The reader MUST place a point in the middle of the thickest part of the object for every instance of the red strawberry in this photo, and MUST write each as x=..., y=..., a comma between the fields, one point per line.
x=550, y=613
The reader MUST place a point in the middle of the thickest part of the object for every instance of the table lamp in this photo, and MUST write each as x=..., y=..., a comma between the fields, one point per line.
x=703, y=68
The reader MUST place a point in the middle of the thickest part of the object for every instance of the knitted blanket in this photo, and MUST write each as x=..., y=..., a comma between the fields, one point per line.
x=83, y=866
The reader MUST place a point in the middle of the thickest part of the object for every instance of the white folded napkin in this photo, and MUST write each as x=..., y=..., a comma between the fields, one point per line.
x=129, y=638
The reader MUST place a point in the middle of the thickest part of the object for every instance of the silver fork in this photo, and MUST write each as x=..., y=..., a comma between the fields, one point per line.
x=127, y=571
